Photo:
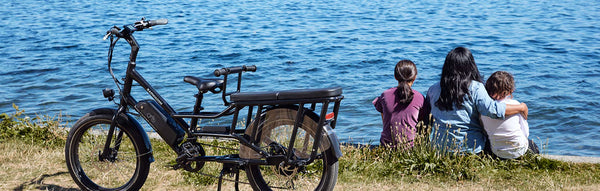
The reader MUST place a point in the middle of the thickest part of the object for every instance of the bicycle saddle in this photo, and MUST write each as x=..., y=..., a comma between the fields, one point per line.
x=204, y=85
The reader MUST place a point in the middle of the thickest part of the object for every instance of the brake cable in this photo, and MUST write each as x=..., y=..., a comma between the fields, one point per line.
x=110, y=55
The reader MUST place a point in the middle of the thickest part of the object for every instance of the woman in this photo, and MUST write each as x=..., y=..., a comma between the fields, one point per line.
x=458, y=100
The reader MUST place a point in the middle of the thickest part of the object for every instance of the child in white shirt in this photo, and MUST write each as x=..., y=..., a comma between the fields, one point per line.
x=508, y=137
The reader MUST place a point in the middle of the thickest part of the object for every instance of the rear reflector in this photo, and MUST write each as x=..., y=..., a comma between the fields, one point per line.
x=330, y=116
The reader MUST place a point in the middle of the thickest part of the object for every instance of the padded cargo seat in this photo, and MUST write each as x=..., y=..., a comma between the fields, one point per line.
x=287, y=94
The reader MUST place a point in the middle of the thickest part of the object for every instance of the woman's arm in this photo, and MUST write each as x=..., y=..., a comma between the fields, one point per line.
x=516, y=109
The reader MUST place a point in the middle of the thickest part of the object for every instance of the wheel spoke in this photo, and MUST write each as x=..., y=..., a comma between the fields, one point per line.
x=276, y=131
x=117, y=169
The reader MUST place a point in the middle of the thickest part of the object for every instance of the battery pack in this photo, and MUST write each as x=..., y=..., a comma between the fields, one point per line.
x=161, y=122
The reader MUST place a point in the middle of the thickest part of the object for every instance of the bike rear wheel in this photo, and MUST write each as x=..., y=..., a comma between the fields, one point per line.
x=275, y=133
x=124, y=168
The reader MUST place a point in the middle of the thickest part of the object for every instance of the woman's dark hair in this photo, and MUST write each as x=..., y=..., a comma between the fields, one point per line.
x=405, y=72
x=458, y=72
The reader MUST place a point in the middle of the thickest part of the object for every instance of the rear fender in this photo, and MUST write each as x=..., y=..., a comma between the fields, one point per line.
x=334, y=151
x=127, y=121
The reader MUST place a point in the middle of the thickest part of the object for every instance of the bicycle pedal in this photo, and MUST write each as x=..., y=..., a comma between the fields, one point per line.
x=191, y=149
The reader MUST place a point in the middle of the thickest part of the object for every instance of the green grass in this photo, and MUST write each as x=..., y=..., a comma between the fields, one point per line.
x=423, y=164
x=423, y=161
x=418, y=168
x=40, y=129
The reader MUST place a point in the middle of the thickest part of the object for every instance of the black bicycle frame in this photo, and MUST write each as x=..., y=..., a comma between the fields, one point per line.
x=233, y=108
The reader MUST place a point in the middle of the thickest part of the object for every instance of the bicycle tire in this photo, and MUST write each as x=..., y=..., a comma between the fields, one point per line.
x=127, y=171
x=317, y=175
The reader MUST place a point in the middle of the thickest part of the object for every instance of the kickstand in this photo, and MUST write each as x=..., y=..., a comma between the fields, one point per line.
x=229, y=168
x=237, y=181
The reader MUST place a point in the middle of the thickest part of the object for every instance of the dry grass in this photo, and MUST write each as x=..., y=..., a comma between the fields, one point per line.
x=30, y=166
x=26, y=166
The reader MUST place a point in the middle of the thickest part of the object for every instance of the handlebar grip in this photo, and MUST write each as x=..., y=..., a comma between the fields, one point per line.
x=222, y=71
x=158, y=22
x=250, y=68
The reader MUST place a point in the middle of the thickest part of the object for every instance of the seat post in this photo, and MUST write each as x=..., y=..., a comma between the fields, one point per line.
x=197, y=109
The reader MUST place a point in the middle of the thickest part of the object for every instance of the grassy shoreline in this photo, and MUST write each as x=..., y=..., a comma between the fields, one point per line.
x=32, y=158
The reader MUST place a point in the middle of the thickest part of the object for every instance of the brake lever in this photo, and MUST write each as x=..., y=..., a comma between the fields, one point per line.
x=111, y=31
x=141, y=24
x=106, y=36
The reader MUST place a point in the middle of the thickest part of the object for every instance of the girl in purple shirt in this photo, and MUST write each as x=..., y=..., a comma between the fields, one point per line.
x=401, y=108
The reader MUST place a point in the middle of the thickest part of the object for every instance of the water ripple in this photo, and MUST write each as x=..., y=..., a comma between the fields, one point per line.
x=54, y=59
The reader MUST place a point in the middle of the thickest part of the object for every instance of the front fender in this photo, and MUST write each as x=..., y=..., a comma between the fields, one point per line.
x=127, y=121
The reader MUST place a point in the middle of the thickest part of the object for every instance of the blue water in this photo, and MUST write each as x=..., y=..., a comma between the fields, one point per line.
x=54, y=60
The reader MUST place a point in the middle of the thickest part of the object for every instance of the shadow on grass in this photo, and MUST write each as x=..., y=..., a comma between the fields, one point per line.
x=39, y=183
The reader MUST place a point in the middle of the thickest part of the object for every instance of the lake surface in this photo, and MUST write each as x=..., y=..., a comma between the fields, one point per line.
x=54, y=60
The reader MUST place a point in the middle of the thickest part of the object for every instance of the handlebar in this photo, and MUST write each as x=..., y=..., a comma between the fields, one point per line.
x=137, y=26
x=232, y=70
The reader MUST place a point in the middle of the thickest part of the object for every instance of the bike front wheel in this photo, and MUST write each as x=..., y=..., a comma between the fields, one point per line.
x=275, y=132
x=123, y=167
